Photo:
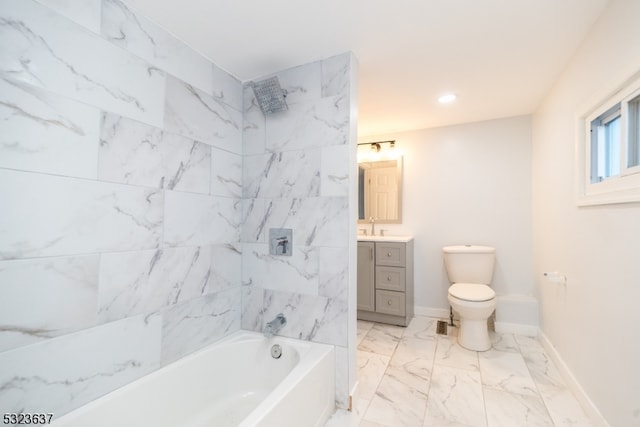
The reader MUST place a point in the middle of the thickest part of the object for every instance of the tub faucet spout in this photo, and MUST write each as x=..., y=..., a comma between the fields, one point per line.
x=275, y=325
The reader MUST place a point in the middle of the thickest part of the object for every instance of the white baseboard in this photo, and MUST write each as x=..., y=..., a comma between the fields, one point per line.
x=573, y=384
x=516, y=328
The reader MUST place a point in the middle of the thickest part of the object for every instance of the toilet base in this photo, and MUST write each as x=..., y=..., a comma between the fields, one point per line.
x=474, y=335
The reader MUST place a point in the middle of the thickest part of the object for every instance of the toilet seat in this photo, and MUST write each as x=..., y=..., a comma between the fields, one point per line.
x=473, y=292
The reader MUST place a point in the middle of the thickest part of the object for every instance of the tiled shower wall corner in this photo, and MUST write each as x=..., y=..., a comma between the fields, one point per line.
x=127, y=237
x=297, y=175
x=120, y=201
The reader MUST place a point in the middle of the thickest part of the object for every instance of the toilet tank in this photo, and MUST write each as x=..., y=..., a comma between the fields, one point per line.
x=469, y=264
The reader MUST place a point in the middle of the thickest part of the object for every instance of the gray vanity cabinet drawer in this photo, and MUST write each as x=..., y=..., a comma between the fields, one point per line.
x=390, y=278
x=390, y=302
x=390, y=254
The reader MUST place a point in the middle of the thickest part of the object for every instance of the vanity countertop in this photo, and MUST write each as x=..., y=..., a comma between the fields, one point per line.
x=402, y=239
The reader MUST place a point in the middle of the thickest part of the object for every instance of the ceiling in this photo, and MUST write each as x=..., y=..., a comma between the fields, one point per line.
x=499, y=56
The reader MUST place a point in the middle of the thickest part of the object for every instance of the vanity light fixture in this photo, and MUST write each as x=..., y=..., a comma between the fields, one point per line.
x=377, y=146
x=447, y=98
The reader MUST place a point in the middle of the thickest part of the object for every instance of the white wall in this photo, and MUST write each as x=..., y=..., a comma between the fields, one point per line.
x=467, y=184
x=593, y=322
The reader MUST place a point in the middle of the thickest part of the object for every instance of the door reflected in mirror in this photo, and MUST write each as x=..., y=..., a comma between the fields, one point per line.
x=380, y=191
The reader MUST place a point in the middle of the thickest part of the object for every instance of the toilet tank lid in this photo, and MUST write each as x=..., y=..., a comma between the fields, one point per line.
x=469, y=249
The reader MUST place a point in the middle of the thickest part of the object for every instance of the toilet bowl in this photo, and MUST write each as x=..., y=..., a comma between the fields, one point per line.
x=473, y=303
x=470, y=269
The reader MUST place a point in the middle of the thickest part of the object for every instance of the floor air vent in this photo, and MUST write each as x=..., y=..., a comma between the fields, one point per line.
x=441, y=327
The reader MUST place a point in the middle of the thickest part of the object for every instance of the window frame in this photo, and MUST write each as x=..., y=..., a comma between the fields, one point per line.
x=625, y=186
x=605, y=116
x=630, y=170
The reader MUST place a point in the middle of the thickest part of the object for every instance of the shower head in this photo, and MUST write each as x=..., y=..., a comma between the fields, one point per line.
x=270, y=95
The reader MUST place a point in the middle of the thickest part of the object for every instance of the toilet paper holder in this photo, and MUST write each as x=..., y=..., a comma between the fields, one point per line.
x=556, y=277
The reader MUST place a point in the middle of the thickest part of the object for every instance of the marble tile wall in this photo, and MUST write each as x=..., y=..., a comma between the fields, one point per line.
x=296, y=175
x=121, y=201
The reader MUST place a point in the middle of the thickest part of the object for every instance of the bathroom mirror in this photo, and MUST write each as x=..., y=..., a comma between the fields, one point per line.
x=380, y=191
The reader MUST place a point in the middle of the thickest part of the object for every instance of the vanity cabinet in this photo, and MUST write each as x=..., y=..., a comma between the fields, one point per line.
x=366, y=271
x=385, y=281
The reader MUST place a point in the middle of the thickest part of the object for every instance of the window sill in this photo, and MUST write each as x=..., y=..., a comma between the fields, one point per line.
x=609, y=198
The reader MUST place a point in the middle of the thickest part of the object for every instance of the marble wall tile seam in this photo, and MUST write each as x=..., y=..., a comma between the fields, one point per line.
x=153, y=312
x=81, y=331
x=294, y=201
x=111, y=251
x=113, y=182
x=194, y=139
x=93, y=253
x=118, y=183
x=208, y=195
x=151, y=187
x=38, y=335
x=58, y=175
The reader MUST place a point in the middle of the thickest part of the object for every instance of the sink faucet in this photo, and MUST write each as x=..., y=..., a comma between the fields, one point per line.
x=372, y=220
x=275, y=325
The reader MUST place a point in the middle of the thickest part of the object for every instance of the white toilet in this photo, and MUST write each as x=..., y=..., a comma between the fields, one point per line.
x=470, y=269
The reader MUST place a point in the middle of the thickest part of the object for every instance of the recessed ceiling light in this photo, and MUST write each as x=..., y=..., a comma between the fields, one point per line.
x=447, y=98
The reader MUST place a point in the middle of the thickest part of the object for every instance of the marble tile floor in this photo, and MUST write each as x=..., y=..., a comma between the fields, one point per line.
x=413, y=377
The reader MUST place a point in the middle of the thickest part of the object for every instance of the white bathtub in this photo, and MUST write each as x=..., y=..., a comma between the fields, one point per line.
x=234, y=382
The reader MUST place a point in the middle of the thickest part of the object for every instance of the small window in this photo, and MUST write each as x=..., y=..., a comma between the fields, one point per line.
x=605, y=145
x=609, y=146
x=633, y=149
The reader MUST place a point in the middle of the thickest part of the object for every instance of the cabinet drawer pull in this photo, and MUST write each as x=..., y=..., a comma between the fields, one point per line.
x=388, y=278
x=389, y=254
x=389, y=302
